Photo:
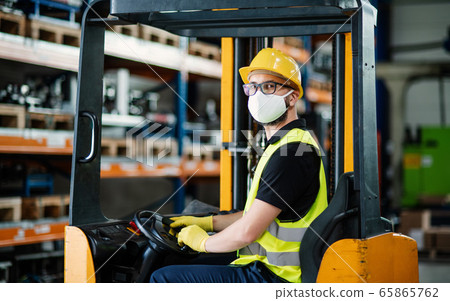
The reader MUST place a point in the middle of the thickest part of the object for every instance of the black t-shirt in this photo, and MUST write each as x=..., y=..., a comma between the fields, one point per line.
x=290, y=180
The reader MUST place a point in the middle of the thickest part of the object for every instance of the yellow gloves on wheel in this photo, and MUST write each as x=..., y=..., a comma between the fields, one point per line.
x=194, y=231
x=206, y=223
x=194, y=237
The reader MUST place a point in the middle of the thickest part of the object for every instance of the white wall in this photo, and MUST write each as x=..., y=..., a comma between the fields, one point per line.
x=420, y=22
x=423, y=107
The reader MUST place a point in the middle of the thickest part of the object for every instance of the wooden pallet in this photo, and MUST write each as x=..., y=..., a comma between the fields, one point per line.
x=145, y=149
x=200, y=153
x=325, y=86
x=153, y=34
x=56, y=33
x=12, y=23
x=293, y=49
x=114, y=147
x=208, y=51
x=437, y=239
x=160, y=146
x=289, y=41
x=48, y=120
x=45, y=206
x=10, y=209
x=424, y=219
x=129, y=30
x=152, y=150
x=12, y=116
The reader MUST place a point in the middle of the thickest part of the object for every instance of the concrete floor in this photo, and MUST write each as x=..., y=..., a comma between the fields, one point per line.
x=434, y=271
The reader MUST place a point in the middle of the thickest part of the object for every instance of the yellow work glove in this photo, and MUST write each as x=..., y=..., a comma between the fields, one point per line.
x=206, y=223
x=194, y=237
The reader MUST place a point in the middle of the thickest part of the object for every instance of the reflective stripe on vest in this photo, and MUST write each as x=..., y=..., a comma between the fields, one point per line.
x=279, y=245
x=275, y=258
x=286, y=234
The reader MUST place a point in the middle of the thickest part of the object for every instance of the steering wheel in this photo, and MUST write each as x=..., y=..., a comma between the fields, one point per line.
x=156, y=228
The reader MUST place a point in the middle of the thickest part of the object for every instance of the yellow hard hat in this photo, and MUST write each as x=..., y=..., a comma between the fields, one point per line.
x=274, y=61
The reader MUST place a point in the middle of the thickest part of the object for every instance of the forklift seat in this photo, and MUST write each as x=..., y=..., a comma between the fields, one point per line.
x=338, y=221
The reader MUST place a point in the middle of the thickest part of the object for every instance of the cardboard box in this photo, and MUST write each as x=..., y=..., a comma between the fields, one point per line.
x=437, y=238
x=443, y=239
x=414, y=219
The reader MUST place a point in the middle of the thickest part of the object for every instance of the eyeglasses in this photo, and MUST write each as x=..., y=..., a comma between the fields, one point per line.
x=266, y=88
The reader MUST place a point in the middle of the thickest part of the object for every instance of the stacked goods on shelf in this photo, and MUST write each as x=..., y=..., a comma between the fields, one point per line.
x=318, y=87
x=154, y=34
x=293, y=47
x=140, y=148
x=10, y=209
x=319, y=90
x=48, y=119
x=16, y=116
x=50, y=32
x=199, y=152
x=13, y=23
x=16, y=209
x=60, y=10
x=129, y=30
x=430, y=228
x=437, y=241
x=12, y=116
x=425, y=185
x=114, y=147
x=50, y=28
x=45, y=206
x=205, y=50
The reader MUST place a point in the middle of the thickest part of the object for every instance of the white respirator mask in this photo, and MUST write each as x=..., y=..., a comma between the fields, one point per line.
x=267, y=108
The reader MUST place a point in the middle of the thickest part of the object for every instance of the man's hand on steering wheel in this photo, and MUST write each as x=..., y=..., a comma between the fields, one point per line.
x=194, y=237
x=206, y=223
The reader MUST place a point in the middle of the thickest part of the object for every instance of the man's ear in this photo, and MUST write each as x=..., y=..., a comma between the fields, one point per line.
x=293, y=98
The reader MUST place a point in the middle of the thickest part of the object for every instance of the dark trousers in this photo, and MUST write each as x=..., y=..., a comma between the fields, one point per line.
x=254, y=272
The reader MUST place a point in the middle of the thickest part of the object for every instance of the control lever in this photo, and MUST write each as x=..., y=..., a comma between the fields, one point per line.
x=166, y=221
x=186, y=248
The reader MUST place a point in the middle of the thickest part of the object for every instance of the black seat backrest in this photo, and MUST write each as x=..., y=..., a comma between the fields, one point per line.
x=338, y=221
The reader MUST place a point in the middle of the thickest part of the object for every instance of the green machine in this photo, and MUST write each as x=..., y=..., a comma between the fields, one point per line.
x=426, y=168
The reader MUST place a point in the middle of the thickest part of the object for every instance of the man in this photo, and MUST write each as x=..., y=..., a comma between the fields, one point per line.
x=288, y=189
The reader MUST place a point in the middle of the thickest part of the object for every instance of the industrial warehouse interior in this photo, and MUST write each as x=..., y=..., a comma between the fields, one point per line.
x=115, y=112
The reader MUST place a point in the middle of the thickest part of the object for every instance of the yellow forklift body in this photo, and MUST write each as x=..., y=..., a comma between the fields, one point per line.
x=78, y=262
x=389, y=257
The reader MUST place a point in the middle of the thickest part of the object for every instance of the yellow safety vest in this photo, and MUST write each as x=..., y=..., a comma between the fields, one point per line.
x=279, y=245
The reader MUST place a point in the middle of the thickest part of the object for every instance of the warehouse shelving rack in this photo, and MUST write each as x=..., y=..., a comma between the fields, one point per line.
x=25, y=142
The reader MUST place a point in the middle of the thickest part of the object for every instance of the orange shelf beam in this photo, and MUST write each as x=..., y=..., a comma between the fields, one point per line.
x=41, y=232
x=205, y=168
x=318, y=96
x=20, y=145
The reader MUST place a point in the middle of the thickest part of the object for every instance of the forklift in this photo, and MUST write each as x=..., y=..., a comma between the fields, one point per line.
x=348, y=242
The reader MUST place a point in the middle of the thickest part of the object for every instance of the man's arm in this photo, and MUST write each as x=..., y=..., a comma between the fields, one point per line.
x=220, y=222
x=244, y=230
